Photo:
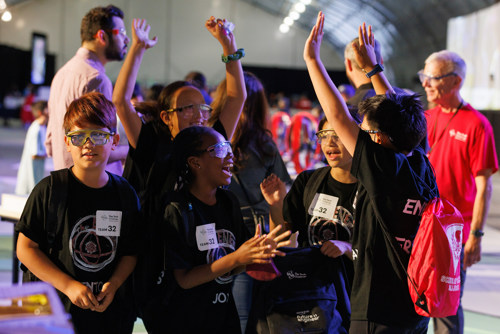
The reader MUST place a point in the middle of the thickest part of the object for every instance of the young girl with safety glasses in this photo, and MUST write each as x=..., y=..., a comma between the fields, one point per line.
x=206, y=238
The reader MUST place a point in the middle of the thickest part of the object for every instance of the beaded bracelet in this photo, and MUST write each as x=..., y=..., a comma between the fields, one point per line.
x=235, y=56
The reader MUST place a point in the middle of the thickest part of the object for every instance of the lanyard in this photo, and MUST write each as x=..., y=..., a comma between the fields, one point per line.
x=444, y=130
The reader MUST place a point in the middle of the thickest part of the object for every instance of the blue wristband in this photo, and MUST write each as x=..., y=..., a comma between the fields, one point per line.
x=235, y=56
x=377, y=69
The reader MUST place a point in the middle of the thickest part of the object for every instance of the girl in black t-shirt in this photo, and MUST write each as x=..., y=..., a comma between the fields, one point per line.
x=206, y=245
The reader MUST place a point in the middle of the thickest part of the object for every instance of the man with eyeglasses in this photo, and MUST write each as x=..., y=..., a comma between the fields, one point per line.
x=104, y=39
x=462, y=152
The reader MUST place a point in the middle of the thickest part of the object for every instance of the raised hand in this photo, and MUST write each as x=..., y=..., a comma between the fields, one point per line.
x=140, y=33
x=313, y=42
x=225, y=38
x=365, y=51
x=273, y=189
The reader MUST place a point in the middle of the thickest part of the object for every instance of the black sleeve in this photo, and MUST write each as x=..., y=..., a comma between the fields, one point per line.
x=220, y=129
x=294, y=211
x=32, y=221
x=179, y=253
x=144, y=154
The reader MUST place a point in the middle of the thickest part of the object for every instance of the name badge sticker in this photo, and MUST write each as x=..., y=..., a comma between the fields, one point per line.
x=206, y=237
x=323, y=206
x=108, y=223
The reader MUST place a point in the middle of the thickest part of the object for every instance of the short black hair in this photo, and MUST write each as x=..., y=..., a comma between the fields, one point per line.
x=98, y=18
x=400, y=116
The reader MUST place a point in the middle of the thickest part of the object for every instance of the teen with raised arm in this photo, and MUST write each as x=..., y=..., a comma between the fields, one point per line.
x=149, y=163
x=393, y=174
x=180, y=104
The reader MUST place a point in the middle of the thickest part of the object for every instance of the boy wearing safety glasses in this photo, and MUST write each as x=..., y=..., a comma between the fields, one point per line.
x=94, y=247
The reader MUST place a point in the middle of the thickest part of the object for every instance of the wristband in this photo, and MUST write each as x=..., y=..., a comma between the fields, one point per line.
x=377, y=69
x=235, y=56
x=477, y=233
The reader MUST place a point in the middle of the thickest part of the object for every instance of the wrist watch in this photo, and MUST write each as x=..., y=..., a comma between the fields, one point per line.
x=378, y=68
x=477, y=233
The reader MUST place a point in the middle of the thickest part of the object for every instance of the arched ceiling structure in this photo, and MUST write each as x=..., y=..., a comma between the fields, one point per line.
x=408, y=30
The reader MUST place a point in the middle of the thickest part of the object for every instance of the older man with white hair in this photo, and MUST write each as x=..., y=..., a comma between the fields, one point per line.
x=462, y=152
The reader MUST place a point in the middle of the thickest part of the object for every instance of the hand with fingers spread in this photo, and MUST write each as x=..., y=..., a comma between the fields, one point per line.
x=81, y=295
x=365, y=51
x=273, y=189
x=140, y=34
x=275, y=240
x=313, y=43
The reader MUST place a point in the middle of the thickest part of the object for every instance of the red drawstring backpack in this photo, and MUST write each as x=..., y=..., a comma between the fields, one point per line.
x=434, y=266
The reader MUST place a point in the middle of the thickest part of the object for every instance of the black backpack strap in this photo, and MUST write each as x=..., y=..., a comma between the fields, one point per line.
x=58, y=196
x=313, y=184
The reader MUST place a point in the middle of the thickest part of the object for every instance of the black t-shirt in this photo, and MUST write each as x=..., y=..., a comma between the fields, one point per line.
x=84, y=253
x=395, y=188
x=314, y=229
x=213, y=235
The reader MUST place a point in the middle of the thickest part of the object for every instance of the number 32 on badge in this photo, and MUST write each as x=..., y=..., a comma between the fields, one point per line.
x=108, y=223
x=323, y=206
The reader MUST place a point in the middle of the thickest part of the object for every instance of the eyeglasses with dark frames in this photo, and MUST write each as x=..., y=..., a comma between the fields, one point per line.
x=187, y=112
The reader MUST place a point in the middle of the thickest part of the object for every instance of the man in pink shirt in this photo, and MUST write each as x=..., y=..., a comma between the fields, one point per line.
x=462, y=152
x=104, y=39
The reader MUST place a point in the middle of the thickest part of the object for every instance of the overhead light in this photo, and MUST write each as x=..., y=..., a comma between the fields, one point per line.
x=284, y=28
x=300, y=7
x=306, y=2
x=3, y=5
x=288, y=21
x=294, y=15
x=6, y=16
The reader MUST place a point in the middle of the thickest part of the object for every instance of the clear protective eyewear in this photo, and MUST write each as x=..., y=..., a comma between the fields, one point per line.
x=97, y=137
x=219, y=150
x=187, y=112
x=324, y=136
x=432, y=80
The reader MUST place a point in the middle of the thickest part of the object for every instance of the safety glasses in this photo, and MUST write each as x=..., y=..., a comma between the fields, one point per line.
x=187, y=112
x=97, y=137
x=219, y=150
x=433, y=80
x=324, y=136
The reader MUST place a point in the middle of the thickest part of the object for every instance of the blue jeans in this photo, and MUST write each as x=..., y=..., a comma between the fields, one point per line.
x=242, y=294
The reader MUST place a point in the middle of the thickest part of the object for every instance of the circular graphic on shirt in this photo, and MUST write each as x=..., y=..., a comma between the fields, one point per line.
x=89, y=251
x=227, y=244
x=340, y=228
